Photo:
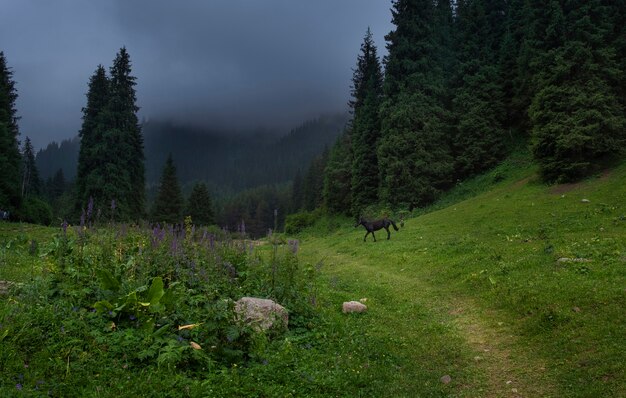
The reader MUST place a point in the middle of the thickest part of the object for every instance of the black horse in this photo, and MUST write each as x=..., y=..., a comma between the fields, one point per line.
x=372, y=226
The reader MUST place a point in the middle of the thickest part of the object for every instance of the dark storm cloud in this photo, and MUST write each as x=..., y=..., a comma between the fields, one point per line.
x=237, y=64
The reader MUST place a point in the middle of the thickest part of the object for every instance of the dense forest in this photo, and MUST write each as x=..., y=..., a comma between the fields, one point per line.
x=463, y=81
x=461, y=84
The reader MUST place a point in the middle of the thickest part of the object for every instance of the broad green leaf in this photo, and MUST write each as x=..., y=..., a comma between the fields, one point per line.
x=102, y=306
x=107, y=280
x=156, y=290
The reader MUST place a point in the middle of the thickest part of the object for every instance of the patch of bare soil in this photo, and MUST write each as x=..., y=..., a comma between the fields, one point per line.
x=564, y=188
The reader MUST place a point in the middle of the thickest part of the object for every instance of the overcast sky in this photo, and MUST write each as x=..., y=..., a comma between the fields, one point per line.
x=236, y=64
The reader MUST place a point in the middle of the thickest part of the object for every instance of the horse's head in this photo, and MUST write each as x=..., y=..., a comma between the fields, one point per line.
x=358, y=222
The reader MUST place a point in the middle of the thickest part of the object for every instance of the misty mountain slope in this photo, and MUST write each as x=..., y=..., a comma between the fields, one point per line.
x=227, y=162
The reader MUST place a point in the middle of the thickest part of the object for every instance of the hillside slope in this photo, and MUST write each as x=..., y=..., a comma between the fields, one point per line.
x=518, y=291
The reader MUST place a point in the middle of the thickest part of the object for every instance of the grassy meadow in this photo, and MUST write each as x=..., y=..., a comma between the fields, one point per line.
x=504, y=288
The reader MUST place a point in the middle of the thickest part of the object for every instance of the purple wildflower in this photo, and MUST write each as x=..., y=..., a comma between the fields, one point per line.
x=132, y=317
x=18, y=386
x=64, y=226
x=112, y=205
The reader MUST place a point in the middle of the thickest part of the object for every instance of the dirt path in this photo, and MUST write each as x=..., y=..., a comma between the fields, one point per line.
x=510, y=372
x=508, y=369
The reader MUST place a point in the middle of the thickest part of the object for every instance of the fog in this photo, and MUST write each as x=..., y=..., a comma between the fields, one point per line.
x=232, y=65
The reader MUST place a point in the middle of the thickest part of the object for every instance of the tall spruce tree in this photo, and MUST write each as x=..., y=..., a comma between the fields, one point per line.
x=337, y=191
x=199, y=205
x=111, y=159
x=168, y=206
x=10, y=158
x=367, y=82
x=125, y=131
x=93, y=155
x=31, y=183
x=478, y=102
x=413, y=154
x=577, y=119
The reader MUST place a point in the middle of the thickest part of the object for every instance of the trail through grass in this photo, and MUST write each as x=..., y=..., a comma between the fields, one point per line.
x=515, y=292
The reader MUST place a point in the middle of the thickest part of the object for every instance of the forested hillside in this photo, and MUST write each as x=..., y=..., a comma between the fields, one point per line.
x=464, y=82
x=227, y=162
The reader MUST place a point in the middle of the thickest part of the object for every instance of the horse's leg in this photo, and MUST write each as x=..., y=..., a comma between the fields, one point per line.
x=374, y=236
x=365, y=237
x=388, y=233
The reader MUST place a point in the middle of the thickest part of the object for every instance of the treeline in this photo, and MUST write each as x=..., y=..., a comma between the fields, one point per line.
x=463, y=82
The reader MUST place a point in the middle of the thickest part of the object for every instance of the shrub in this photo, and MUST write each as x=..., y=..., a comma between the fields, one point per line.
x=35, y=211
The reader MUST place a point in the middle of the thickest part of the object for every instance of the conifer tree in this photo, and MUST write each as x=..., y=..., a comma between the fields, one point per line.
x=31, y=183
x=297, y=193
x=577, y=120
x=111, y=164
x=124, y=141
x=168, y=206
x=93, y=155
x=200, y=206
x=56, y=185
x=9, y=146
x=366, y=99
x=338, y=177
x=314, y=182
x=413, y=154
x=478, y=104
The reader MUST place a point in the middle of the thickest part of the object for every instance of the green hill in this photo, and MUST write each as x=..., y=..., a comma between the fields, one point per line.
x=517, y=291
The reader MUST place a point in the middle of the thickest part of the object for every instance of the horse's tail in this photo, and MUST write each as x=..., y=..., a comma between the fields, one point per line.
x=394, y=224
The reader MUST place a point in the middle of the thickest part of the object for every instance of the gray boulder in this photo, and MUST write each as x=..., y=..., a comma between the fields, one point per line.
x=261, y=314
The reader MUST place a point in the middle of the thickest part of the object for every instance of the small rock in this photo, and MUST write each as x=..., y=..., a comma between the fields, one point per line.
x=585, y=201
x=573, y=260
x=509, y=382
x=446, y=379
x=576, y=309
x=364, y=299
x=514, y=390
x=353, y=306
x=477, y=358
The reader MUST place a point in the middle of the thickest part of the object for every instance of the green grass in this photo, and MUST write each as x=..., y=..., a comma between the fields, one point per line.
x=483, y=274
x=471, y=287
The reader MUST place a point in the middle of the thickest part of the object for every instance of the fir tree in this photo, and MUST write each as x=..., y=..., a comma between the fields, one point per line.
x=338, y=177
x=93, y=155
x=314, y=182
x=297, y=193
x=168, y=206
x=31, y=183
x=413, y=154
x=9, y=146
x=56, y=185
x=111, y=164
x=367, y=96
x=576, y=117
x=478, y=104
x=200, y=206
x=126, y=131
